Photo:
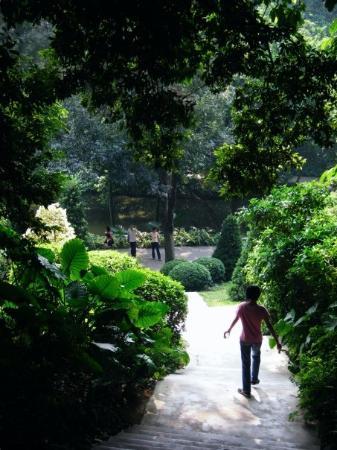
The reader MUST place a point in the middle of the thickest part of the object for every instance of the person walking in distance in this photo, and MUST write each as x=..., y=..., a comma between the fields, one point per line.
x=108, y=237
x=252, y=315
x=132, y=239
x=155, y=243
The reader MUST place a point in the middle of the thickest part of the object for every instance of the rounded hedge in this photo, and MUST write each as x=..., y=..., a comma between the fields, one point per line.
x=161, y=288
x=193, y=276
x=168, y=266
x=215, y=266
x=112, y=261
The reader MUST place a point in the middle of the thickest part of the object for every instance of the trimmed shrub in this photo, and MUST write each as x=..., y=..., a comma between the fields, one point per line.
x=215, y=266
x=239, y=283
x=112, y=261
x=168, y=266
x=228, y=248
x=159, y=287
x=193, y=276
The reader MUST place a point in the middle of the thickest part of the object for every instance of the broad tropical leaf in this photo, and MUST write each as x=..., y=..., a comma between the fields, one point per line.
x=148, y=361
x=74, y=258
x=130, y=279
x=149, y=313
x=97, y=270
x=51, y=267
x=46, y=253
x=106, y=346
x=76, y=295
x=107, y=286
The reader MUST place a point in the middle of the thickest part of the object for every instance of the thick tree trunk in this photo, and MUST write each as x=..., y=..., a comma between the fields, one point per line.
x=170, y=181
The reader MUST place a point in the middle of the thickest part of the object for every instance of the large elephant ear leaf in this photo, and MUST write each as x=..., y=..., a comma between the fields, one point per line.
x=149, y=313
x=106, y=286
x=74, y=258
x=130, y=279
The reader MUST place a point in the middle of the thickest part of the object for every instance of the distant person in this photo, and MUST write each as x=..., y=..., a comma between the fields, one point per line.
x=155, y=243
x=109, y=240
x=251, y=315
x=132, y=239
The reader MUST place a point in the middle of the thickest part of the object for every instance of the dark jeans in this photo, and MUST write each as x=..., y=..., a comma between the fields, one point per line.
x=155, y=247
x=248, y=350
x=133, y=246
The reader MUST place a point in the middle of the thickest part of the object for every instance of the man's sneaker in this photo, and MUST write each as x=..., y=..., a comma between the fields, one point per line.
x=255, y=382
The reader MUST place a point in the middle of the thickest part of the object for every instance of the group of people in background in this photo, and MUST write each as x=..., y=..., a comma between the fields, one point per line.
x=132, y=239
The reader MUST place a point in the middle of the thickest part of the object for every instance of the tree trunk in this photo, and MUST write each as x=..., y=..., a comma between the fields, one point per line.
x=170, y=181
x=110, y=200
x=158, y=209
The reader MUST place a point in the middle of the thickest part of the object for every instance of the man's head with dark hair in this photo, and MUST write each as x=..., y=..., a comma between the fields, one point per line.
x=253, y=293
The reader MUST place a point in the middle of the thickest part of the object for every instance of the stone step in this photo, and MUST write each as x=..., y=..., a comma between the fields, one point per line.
x=151, y=437
x=238, y=440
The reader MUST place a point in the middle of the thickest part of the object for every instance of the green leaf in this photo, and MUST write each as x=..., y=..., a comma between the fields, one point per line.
x=145, y=358
x=74, y=258
x=326, y=43
x=272, y=342
x=333, y=28
x=106, y=346
x=76, y=295
x=51, y=267
x=46, y=253
x=149, y=313
x=97, y=270
x=290, y=316
x=106, y=286
x=131, y=279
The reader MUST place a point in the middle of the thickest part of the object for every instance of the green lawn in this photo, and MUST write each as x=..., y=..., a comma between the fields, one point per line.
x=218, y=295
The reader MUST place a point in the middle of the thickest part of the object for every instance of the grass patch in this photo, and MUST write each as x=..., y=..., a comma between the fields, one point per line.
x=218, y=295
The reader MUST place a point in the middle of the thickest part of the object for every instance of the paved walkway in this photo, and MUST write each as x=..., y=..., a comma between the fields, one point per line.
x=189, y=253
x=199, y=407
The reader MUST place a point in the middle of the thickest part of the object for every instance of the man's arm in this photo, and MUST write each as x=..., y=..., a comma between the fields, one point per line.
x=273, y=333
x=232, y=325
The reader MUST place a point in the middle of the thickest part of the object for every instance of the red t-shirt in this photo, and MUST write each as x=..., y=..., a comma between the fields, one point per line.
x=251, y=316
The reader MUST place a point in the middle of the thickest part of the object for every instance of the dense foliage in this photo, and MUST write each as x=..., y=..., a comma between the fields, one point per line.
x=215, y=266
x=168, y=266
x=74, y=337
x=228, y=248
x=193, y=276
x=292, y=255
x=112, y=261
x=158, y=287
x=72, y=201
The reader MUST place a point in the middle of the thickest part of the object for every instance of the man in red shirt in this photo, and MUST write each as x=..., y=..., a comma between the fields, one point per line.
x=251, y=315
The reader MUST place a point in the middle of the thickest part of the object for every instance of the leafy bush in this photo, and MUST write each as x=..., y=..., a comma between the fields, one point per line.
x=158, y=287
x=169, y=265
x=112, y=261
x=292, y=255
x=215, y=267
x=238, y=286
x=77, y=344
x=193, y=276
x=72, y=201
x=57, y=227
x=228, y=248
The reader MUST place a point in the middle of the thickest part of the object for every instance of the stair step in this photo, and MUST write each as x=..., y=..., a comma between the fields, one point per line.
x=216, y=438
x=148, y=440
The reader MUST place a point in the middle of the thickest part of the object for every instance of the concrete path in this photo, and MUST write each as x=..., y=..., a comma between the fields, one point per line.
x=190, y=253
x=199, y=407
